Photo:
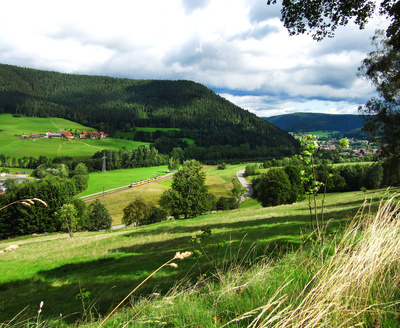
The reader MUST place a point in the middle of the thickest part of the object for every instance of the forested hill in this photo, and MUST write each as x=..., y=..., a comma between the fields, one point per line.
x=112, y=104
x=298, y=122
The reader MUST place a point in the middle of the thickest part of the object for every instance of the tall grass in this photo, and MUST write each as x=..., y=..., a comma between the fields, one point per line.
x=350, y=281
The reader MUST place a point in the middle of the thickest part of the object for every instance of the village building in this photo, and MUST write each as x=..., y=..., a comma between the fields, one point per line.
x=95, y=134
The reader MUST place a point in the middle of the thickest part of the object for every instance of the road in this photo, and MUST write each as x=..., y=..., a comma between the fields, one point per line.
x=245, y=184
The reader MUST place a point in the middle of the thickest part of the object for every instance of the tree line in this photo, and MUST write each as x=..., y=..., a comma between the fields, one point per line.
x=59, y=210
x=287, y=185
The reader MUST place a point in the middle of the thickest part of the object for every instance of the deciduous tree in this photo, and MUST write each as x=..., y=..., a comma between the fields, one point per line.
x=188, y=194
x=137, y=212
x=273, y=188
x=68, y=215
x=98, y=217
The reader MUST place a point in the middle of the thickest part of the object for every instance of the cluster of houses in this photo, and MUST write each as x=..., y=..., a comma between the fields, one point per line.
x=66, y=134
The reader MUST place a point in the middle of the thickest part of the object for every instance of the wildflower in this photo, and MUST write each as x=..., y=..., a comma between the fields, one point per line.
x=182, y=256
x=40, y=307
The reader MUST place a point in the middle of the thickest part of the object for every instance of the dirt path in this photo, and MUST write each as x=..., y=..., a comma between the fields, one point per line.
x=55, y=125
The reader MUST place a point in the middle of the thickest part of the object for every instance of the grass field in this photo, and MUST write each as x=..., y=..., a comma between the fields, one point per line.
x=52, y=268
x=321, y=134
x=219, y=183
x=119, y=178
x=12, y=145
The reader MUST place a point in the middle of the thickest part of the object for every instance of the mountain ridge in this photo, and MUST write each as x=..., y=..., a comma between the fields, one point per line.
x=110, y=104
x=305, y=122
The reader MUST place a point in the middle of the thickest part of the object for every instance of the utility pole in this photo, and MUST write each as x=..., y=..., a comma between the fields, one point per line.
x=104, y=163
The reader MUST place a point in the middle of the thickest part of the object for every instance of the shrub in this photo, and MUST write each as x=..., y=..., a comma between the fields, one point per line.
x=157, y=215
x=137, y=212
x=227, y=203
x=98, y=217
x=251, y=170
x=273, y=188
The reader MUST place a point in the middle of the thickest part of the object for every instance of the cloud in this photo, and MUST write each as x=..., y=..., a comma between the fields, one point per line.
x=261, y=12
x=236, y=47
x=192, y=5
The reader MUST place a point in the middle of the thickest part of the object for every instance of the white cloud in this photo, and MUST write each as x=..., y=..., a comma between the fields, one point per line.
x=239, y=46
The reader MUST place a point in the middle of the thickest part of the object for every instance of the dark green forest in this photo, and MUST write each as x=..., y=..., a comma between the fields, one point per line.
x=219, y=128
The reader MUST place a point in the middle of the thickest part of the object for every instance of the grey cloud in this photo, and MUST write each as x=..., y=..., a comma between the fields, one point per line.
x=331, y=76
x=349, y=39
x=259, y=32
x=260, y=11
x=191, y=5
x=204, y=56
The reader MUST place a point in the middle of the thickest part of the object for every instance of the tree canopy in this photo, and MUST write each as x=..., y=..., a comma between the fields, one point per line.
x=188, y=195
x=322, y=18
x=382, y=114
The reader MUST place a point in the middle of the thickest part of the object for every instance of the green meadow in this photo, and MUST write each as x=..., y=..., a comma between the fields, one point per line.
x=219, y=183
x=99, y=181
x=14, y=146
x=54, y=268
x=321, y=134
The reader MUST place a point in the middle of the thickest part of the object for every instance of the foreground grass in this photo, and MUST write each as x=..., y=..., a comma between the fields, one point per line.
x=54, y=268
x=350, y=281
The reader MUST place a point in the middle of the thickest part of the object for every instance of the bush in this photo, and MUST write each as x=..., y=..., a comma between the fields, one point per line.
x=227, y=203
x=98, y=217
x=251, y=170
x=137, y=212
x=221, y=166
x=273, y=188
x=157, y=215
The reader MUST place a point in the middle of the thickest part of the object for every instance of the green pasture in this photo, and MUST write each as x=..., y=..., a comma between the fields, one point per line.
x=54, y=267
x=219, y=183
x=120, y=178
x=9, y=125
x=321, y=134
x=12, y=145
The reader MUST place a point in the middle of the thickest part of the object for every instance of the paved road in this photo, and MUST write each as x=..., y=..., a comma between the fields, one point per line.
x=245, y=184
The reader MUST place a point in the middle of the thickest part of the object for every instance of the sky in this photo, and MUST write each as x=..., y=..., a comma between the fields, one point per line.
x=238, y=48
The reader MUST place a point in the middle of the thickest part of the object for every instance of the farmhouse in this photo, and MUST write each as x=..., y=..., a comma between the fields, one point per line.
x=95, y=134
x=59, y=134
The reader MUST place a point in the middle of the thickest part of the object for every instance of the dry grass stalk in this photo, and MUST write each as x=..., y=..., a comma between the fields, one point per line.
x=357, y=281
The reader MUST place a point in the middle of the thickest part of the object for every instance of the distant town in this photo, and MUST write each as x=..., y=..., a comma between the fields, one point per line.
x=357, y=148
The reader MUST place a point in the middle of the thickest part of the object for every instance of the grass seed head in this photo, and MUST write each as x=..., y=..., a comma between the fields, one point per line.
x=182, y=256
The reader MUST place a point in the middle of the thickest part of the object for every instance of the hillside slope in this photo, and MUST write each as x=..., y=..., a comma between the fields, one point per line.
x=112, y=104
x=298, y=122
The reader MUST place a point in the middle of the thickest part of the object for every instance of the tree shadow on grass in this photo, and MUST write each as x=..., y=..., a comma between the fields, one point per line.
x=111, y=278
